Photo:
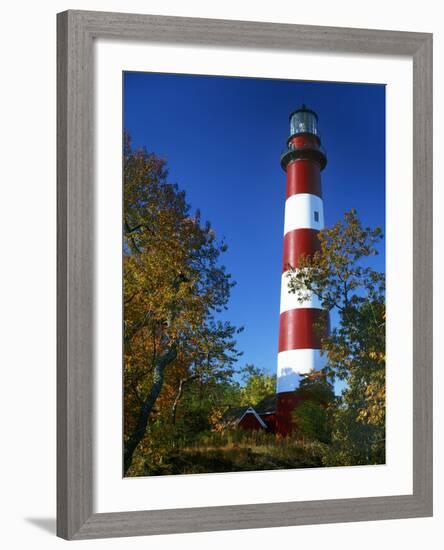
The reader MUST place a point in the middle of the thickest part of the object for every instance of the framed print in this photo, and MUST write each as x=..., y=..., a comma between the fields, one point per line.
x=244, y=275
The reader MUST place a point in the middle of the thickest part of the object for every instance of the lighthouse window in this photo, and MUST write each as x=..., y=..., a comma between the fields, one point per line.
x=303, y=122
x=316, y=216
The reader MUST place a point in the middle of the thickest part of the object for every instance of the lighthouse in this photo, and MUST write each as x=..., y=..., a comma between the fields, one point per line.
x=299, y=339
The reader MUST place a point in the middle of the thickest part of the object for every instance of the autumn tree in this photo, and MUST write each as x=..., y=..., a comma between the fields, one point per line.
x=312, y=415
x=339, y=275
x=257, y=384
x=174, y=285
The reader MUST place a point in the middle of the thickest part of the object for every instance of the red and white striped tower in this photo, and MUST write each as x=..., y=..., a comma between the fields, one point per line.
x=299, y=341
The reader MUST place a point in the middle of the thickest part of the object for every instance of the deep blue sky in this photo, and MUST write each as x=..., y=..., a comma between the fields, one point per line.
x=222, y=138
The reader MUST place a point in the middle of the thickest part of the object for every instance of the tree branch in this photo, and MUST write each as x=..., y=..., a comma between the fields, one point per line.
x=145, y=410
x=179, y=394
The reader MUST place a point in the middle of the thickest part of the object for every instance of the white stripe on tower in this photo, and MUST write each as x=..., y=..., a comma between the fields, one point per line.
x=294, y=300
x=303, y=211
x=292, y=363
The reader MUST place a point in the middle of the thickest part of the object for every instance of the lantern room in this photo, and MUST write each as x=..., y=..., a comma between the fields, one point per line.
x=303, y=121
x=304, y=141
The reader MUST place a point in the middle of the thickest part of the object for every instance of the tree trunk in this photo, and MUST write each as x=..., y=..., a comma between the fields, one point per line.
x=179, y=396
x=147, y=406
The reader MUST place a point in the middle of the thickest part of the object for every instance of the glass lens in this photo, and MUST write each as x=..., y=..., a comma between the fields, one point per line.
x=303, y=122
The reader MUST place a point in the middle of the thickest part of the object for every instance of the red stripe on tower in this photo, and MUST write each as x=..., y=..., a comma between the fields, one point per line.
x=297, y=243
x=304, y=177
x=308, y=321
x=299, y=326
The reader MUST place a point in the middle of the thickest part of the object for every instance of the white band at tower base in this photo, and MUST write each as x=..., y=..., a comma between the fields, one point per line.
x=293, y=363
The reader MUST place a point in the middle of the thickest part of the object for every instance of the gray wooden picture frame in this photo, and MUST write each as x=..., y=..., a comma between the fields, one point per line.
x=76, y=32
